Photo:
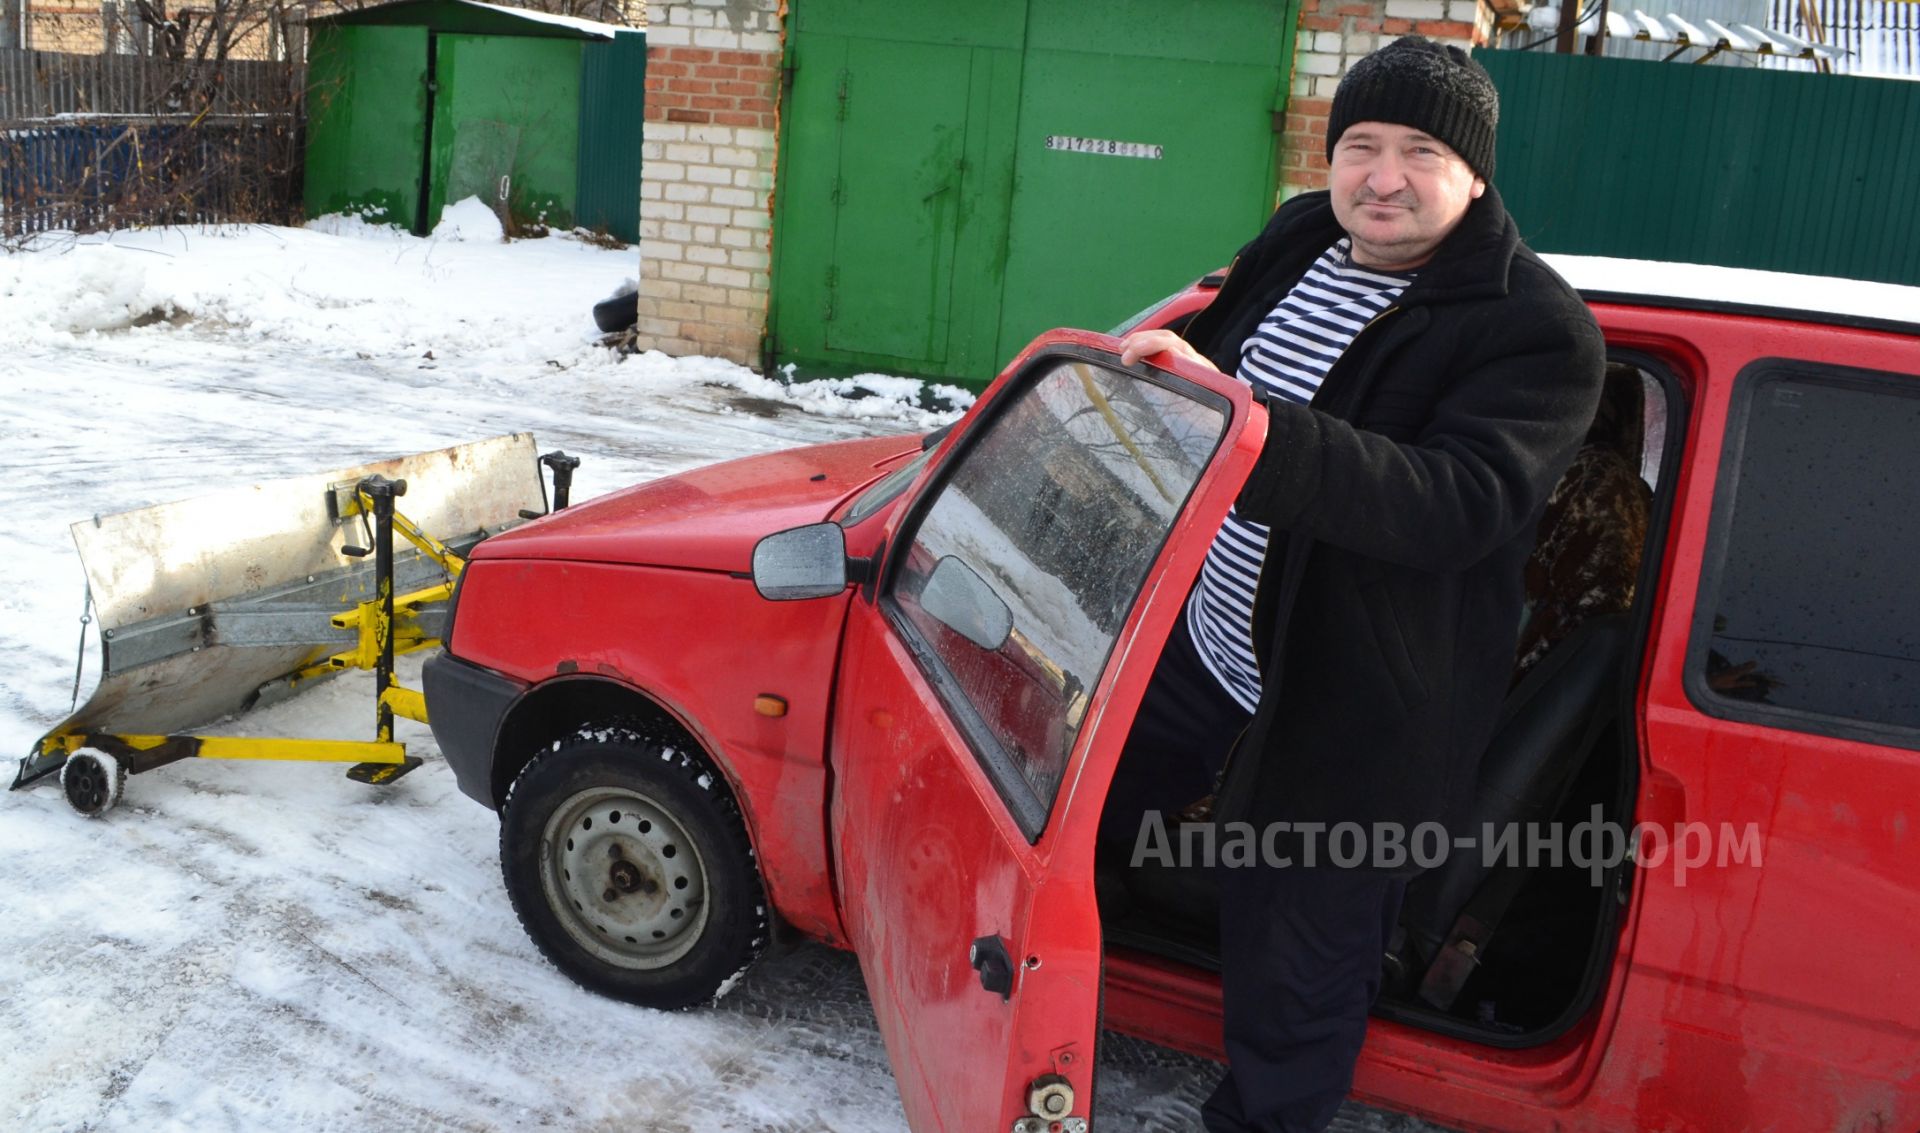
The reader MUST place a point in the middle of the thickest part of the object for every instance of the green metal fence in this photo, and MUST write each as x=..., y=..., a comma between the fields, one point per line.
x=613, y=91
x=1787, y=171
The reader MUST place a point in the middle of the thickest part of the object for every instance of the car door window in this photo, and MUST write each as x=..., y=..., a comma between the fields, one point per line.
x=1807, y=615
x=1017, y=576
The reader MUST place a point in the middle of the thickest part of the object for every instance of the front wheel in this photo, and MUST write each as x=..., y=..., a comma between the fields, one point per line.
x=629, y=865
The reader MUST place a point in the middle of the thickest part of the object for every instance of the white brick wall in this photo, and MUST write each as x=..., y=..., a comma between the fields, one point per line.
x=1315, y=63
x=728, y=25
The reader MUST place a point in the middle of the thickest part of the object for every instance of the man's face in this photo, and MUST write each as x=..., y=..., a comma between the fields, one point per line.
x=1398, y=192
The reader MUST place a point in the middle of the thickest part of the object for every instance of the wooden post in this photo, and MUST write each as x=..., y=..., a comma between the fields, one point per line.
x=13, y=24
x=1569, y=20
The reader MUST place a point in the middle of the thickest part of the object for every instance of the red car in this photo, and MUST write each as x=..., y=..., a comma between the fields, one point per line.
x=874, y=693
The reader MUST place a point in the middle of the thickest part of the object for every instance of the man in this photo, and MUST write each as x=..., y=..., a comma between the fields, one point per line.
x=1427, y=380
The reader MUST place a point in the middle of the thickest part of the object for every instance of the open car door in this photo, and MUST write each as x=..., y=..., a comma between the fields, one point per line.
x=990, y=674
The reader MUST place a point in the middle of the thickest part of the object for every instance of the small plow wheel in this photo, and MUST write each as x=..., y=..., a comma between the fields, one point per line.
x=93, y=782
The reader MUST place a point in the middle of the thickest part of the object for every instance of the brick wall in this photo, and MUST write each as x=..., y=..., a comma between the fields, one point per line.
x=79, y=29
x=713, y=78
x=61, y=28
x=1334, y=34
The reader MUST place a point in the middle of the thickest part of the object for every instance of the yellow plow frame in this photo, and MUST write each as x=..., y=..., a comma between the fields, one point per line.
x=212, y=606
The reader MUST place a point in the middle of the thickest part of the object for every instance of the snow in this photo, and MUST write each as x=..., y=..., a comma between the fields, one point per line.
x=469, y=219
x=244, y=945
x=591, y=27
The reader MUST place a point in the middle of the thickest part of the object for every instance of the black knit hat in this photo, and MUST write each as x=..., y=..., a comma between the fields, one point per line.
x=1416, y=82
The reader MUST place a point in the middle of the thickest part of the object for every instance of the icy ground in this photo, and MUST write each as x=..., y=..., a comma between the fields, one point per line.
x=249, y=946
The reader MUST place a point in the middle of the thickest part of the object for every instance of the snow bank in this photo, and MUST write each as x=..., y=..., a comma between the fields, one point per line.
x=346, y=287
x=360, y=225
x=469, y=219
x=461, y=302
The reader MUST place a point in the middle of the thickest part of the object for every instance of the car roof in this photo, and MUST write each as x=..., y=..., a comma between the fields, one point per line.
x=1704, y=287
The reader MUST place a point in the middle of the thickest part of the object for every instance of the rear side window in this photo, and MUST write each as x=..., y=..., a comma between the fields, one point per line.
x=1808, y=615
x=1023, y=569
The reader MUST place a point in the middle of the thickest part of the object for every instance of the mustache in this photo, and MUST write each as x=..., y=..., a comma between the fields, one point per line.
x=1404, y=198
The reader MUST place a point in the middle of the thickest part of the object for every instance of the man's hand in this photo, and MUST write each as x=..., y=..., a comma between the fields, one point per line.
x=1145, y=343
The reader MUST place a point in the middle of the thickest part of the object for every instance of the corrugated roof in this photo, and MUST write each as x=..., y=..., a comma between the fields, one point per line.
x=1880, y=37
x=1707, y=34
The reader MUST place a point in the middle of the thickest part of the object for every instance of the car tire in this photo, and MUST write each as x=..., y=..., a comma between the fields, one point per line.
x=628, y=864
x=618, y=313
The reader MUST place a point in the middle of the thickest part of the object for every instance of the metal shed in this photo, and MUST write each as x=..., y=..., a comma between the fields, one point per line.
x=416, y=104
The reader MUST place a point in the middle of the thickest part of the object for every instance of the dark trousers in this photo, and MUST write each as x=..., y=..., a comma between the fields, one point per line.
x=1300, y=949
x=1300, y=954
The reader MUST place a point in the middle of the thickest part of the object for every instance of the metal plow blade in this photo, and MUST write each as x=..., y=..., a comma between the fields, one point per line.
x=207, y=606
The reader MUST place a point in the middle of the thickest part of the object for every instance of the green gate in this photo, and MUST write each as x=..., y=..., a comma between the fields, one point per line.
x=956, y=178
x=1783, y=170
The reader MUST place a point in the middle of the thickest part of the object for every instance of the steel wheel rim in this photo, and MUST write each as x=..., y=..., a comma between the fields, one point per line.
x=624, y=878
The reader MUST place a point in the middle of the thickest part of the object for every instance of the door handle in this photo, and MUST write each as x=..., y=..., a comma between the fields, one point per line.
x=990, y=958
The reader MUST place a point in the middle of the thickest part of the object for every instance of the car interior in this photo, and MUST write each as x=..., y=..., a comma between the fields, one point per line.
x=1495, y=952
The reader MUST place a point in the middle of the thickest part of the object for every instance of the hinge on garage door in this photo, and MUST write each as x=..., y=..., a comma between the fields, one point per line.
x=837, y=194
x=833, y=286
x=840, y=115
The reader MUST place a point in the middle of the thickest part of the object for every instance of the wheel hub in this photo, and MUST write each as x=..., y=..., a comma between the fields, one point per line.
x=626, y=878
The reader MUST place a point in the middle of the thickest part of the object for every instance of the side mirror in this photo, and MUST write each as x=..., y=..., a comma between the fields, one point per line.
x=962, y=601
x=801, y=562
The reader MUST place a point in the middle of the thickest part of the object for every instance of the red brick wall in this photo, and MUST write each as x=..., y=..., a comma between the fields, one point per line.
x=703, y=86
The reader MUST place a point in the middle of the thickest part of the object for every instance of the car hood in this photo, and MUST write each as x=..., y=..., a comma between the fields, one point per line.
x=708, y=518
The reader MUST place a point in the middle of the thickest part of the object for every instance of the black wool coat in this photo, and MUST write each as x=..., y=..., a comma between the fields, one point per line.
x=1403, y=501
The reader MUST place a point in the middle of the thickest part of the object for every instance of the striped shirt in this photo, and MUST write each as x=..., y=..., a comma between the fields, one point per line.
x=1288, y=356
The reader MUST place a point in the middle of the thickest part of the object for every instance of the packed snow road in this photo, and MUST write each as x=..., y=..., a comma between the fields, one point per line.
x=243, y=946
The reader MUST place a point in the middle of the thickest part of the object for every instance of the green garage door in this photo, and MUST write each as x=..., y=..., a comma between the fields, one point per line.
x=956, y=178
x=367, y=109
x=507, y=111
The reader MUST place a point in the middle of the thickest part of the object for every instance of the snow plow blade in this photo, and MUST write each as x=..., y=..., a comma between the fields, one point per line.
x=211, y=606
